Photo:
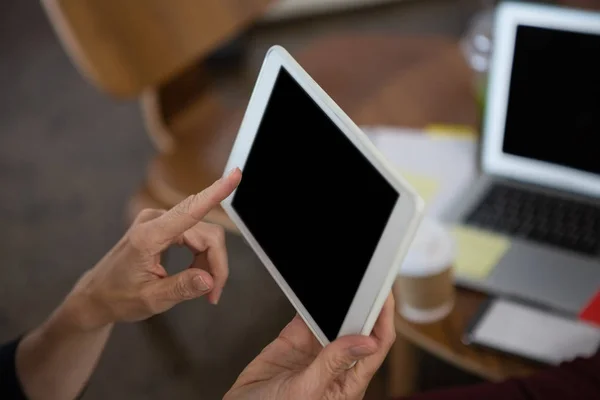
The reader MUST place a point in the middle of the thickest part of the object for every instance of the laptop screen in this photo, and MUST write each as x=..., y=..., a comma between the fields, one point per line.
x=553, y=112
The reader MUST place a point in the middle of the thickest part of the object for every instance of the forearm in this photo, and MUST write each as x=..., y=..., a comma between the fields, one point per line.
x=55, y=361
x=579, y=379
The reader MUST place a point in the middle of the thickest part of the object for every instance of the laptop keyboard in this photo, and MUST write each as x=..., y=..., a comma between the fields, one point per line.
x=551, y=220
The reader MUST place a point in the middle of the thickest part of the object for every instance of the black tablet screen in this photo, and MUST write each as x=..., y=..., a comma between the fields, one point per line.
x=313, y=202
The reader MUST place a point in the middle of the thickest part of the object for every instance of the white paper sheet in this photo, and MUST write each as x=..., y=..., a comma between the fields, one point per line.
x=449, y=160
x=515, y=328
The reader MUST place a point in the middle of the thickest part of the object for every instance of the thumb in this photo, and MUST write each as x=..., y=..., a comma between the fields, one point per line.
x=186, y=285
x=337, y=358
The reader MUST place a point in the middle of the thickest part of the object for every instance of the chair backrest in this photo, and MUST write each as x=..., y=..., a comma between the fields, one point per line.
x=125, y=46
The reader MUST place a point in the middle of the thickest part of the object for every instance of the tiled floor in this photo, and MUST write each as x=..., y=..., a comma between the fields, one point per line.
x=69, y=159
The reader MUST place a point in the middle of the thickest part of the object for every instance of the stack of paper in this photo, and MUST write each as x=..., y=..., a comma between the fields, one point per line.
x=438, y=166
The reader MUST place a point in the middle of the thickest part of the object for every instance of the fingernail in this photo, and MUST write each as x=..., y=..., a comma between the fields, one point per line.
x=361, y=351
x=200, y=284
x=232, y=171
x=216, y=299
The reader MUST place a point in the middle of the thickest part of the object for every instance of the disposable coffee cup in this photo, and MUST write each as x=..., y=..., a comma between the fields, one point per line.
x=424, y=289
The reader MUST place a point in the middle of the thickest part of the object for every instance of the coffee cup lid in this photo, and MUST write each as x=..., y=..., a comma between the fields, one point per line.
x=431, y=252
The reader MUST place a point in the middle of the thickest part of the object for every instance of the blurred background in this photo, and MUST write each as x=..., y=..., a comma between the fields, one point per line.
x=79, y=156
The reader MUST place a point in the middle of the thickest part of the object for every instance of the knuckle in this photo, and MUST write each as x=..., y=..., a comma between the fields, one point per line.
x=217, y=233
x=149, y=301
x=202, y=197
x=335, y=364
x=138, y=238
x=146, y=213
x=183, y=208
x=186, y=207
x=183, y=290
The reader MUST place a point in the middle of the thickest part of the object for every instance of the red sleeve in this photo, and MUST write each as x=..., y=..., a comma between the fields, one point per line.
x=579, y=379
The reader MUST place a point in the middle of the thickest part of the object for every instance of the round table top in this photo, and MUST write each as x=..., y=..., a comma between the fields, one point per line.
x=396, y=80
x=444, y=339
x=430, y=84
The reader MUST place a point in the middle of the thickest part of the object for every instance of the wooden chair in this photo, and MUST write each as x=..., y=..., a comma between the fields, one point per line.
x=157, y=50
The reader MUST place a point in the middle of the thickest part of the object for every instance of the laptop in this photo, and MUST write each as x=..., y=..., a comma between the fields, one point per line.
x=540, y=157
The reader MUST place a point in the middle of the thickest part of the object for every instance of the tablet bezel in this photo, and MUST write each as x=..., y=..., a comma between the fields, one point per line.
x=494, y=161
x=398, y=233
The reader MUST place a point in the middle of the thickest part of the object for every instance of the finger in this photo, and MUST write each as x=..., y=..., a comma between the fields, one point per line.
x=172, y=290
x=296, y=325
x=210, y=238
x=300, y=335
x=384, y=329
x=161, y=232
x=336, y=359
x=385, y=333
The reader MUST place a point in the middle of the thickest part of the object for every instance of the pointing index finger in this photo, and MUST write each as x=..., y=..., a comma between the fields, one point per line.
x=172, y=224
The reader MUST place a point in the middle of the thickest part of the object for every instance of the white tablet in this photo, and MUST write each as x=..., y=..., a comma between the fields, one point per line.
x=327, y=215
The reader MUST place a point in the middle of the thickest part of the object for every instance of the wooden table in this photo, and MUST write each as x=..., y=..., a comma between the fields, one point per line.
x=403, y=81
x=443, y=339
x=433, y=85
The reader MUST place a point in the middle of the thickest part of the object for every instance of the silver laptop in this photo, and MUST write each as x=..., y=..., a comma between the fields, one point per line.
x=540, y=181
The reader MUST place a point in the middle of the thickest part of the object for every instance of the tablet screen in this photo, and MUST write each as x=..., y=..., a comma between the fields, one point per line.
x=313, y=202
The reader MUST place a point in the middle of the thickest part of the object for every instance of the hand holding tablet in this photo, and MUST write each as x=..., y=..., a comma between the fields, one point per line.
x=322, y=209
x=304, y=370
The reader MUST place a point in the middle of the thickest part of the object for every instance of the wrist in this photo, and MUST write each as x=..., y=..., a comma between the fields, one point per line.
x=81, y=311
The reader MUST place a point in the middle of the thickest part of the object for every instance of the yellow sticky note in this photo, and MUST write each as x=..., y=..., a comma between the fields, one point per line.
x=437, y=130
x=478, y=251
x=427, y=187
